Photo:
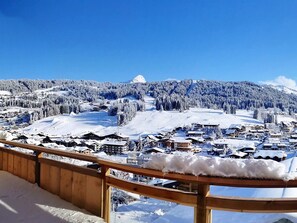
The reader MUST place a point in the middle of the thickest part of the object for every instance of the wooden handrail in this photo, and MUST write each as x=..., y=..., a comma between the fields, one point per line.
x=203, y=201
x=51, y=151
x=255, y=205
x=177, y=196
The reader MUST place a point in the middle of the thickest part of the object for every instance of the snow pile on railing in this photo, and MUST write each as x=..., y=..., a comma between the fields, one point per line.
x=219, y=167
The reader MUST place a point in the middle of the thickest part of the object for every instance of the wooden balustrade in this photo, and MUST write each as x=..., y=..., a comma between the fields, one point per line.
x=90, y=189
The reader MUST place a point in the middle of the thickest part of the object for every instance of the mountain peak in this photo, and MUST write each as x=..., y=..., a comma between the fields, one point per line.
x=138, y=79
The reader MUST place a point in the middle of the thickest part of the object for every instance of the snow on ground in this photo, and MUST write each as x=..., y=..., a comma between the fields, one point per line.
x=145, y=211
x=74, y=124
x=285, y=118
x=21, y=201
x=148, y=122
x=5, y=93
x=47, y=91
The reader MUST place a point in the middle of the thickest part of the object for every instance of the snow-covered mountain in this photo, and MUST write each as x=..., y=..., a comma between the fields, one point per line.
x=284, y=89
x=138, y=79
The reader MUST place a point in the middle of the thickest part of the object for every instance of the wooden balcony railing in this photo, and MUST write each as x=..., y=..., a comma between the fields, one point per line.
x=91, y=189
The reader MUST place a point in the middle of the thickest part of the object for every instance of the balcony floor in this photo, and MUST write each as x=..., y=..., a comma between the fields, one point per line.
x=21, y=201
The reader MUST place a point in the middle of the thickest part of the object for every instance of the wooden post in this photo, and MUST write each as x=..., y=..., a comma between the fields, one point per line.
x=1, y=160
x=106, y=195
x=37, y=167
x=202, y=214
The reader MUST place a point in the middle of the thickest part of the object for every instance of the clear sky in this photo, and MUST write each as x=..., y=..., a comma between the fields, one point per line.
x=114, y=41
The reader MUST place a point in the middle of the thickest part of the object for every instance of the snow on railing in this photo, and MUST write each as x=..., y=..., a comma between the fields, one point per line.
x=219, y=167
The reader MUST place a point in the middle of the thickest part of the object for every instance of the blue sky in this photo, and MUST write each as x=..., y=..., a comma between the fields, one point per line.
x=161, y=39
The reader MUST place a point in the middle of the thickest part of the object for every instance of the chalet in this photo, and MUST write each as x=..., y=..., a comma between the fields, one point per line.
x=275, y=135
x=255, y=135
x=150, y=141
x=153, y=150
x=182, y=144
x=231, y=133
x=137, y=158
x=194, y=133
x=286, y=126
x=196, y=140
x=91, y=135
x=116, y=136
x=83, y=150
x=196, y=126
x=71, y=142
x=22, y=137
x=166, y=142
x=238, y=127
x=276, y=155
x=47, y=139
x=267, y=146
x=210, y=126
x=221, y=144
x=248, y=149
x=257, y=127
x=209, y=138
x=292, y=141
x=91, y=144
x=41, y=134
x=237, y=155
x=219, y=148
x=112, y=146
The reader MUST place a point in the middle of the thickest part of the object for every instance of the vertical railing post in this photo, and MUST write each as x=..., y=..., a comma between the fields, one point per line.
x=37, y=167
x=1, y=160
x=106, y=195
x=202, y=214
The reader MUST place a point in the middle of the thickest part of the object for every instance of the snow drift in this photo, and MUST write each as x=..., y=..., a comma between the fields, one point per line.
x=219, y=167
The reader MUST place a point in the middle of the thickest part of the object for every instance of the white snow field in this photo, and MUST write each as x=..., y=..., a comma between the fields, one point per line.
x=147, y=122
x=21, y=201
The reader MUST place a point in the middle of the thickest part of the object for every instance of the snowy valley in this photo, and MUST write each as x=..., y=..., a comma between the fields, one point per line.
x=244, y=137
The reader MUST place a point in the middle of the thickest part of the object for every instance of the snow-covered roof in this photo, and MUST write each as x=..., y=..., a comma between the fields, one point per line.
x=235, y=126
x=198, y=139
x=195, y=132
x=275, y=134
x=230, y=131
x=238, y=154
x=292, y=140
x=152, y=137
x=154, y=149
x=270, y=153
x=113, y=142
x=81, y=148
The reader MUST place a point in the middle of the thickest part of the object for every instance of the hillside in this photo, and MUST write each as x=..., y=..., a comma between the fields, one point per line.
x=45, y=98
x=210, y=94
x=102, y=124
